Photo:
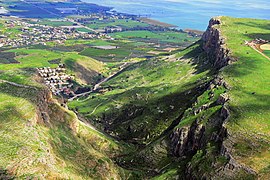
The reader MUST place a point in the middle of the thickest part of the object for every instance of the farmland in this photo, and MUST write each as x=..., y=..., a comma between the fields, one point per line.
x=118, y=22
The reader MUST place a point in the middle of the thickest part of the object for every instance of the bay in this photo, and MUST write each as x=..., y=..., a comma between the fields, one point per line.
x=193, y=14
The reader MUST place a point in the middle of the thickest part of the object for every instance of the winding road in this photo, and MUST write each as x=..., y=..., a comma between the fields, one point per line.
x=16, y=84
x=97, y=86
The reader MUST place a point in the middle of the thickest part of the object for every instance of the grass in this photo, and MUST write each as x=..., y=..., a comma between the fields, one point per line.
x=119, y=22
x=55, y=23
x=64, y=148
x=31, y=58
x=111, y=54
x=267, y=52
x=159, y=91
x=169, y=37
x=84, y=30
x=125, y=50
x=86, y=70
x=249, y=78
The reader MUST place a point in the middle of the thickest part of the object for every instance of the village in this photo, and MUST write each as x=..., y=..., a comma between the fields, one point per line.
x=57, y=80
x=32, y=34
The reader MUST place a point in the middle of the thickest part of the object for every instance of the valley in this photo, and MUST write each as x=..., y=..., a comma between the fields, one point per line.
x=97, y=95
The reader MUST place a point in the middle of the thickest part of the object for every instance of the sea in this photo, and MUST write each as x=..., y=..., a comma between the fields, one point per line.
x=189, y=14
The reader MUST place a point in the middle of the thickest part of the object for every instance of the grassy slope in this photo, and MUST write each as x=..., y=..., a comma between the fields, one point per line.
x=267, y=52
x=160, y=91
x=33, y=58
x=250, y=94
x=64, y=148
x=84, y=68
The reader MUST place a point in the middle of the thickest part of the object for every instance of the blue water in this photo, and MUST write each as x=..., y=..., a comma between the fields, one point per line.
x=193, y=14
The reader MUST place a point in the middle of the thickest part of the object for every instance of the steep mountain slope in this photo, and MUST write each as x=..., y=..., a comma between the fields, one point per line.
x=232, y=141
x=143, y=101
x=40, y=139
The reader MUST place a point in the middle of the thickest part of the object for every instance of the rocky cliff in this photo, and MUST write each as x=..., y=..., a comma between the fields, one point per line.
x=206, y=130
x=214, y=45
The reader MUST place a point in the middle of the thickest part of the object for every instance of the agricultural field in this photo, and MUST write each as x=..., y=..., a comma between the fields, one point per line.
x=84, y=30
x=54, y=22
x=161, y=37
x=124, y=23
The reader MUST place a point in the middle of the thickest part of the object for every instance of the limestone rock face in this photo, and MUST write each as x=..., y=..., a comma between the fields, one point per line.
x=187, y=140
x=214, y=45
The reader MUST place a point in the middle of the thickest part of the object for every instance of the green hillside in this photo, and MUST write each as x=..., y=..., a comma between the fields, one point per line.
x=155, y=117
x=249, y=77
x=55, y=146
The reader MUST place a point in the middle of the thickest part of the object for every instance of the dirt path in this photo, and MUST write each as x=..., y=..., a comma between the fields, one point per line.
x=95, y=109
x=97, y=86
x=17, y=85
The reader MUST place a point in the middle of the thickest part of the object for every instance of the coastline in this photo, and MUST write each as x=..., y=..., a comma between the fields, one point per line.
x=157, y=23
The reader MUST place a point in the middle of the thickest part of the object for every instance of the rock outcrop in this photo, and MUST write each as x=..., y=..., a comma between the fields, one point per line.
x=214, y=45
x=187, y=140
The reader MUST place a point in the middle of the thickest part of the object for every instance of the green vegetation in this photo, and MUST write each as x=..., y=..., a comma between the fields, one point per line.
x=101, y=24
x=54, y=22
x=249, y=105
x=140, y=106
x=41, y=139
x=62, y=147
x=84, y=30
x=169, y=37
x=158, y=95
x=31, y=58
x=267, y=52
x=112, y=54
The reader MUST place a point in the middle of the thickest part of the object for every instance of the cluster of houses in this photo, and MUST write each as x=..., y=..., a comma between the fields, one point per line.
x=57, y=80
x=111, y=15
x=40, y=34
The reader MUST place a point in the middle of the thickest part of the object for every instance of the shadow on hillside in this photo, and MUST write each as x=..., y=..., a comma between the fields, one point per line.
x=134, y=121
x=240, y=69
x=265, y=26
x=265, y=36
x=254, y=107
x=199, y=59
